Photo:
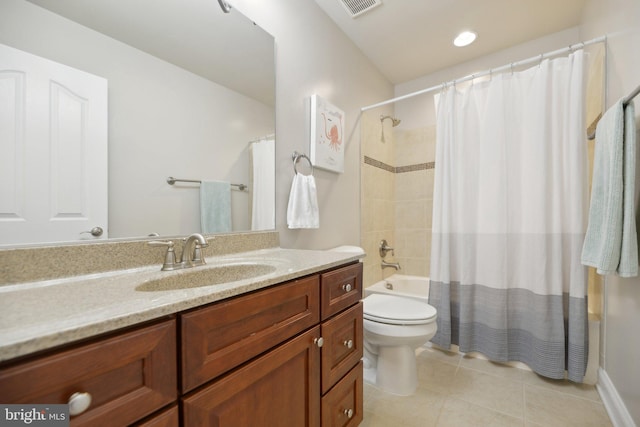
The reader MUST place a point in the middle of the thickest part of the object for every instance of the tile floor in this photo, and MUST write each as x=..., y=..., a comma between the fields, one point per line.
x=460, y=391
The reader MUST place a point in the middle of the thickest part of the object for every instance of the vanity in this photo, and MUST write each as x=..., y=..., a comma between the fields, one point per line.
x=280, y=346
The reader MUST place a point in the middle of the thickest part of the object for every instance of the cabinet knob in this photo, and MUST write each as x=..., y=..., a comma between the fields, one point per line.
x=318, y=341
x=348, y=413
x=347, y=287
x=348, y=343
x=78, y=403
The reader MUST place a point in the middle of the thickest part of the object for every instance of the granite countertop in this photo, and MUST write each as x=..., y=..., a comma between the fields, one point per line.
x=40, y=315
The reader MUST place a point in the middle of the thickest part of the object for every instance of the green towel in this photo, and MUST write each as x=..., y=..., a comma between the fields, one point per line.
x=215, y=207
x=610, y=243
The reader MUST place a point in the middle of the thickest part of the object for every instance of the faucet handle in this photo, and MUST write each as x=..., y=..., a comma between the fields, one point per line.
x=169, y=257
x=384, y=248
x=198, y=259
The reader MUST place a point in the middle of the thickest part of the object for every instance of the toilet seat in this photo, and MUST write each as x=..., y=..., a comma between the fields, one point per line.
x=396, y=310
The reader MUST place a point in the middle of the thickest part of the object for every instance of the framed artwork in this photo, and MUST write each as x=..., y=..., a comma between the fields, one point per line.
x=327, y=135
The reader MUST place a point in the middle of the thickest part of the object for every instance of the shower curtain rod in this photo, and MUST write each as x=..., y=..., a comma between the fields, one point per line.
x=489, y=72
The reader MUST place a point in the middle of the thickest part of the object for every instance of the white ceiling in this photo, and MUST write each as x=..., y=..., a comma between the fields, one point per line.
x=407, y=39
x=228, y=49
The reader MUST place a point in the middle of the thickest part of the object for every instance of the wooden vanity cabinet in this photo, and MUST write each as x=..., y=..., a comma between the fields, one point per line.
x=342, y=351
x=129, y=376
x=278, y=389
x=307, y=336
x=222, y=336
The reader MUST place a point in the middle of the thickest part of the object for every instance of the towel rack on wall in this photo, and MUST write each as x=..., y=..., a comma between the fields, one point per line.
x=625, y=101
x=296, y=157
x=171, y=180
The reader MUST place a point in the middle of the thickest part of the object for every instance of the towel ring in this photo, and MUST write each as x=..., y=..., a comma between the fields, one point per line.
x=296, y=157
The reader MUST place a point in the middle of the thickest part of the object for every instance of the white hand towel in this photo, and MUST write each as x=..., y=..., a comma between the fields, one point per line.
x=303, y=211
x=610, y=243
x=215, y=206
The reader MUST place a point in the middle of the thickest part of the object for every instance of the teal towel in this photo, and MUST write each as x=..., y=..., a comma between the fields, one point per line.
x=610, y=243
x=215, y=206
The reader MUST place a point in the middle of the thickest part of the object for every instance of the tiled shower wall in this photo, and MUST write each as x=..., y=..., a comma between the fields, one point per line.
x=415, y=156
x=397, y=196
x=377, y=193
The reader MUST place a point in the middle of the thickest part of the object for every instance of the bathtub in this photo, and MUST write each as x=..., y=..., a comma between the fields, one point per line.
x=416, y=287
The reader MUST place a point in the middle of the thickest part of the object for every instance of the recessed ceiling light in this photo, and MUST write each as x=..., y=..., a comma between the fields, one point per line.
x=465, y=38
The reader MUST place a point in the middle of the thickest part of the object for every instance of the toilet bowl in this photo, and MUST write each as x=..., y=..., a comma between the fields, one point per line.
x=393, y=328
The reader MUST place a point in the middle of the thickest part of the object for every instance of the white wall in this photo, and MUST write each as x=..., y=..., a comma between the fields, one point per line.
x=419, y=111
x=314, y=56
x=164, y=121
x=620, y=21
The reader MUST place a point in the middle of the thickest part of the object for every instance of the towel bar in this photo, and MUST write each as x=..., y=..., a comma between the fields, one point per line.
x=625, y=101
x=296, y=157
x=171, y=180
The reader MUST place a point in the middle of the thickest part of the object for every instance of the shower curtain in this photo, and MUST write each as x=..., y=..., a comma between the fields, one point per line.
x=263, y=183
x=510, y=203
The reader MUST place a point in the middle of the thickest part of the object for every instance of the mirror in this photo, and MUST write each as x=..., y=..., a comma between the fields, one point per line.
x=190, y=89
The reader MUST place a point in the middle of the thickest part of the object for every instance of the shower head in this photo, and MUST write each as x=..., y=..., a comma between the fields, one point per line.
x=394, y=122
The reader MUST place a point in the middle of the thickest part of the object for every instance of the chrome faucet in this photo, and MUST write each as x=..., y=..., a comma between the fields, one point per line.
x=395, y=265
x=191, y=252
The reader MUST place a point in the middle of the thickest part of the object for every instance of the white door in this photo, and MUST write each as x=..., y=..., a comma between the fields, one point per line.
x=53, y=151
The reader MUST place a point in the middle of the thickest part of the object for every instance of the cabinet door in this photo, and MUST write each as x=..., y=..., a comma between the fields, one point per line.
x=342, y=349
x=167, y=418
x=218, y=338
x=279, y=389
x=340, y=288
x=343, y=405
x=128, y=376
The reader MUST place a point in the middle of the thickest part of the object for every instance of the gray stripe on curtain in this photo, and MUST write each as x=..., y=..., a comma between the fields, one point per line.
x=549, y=333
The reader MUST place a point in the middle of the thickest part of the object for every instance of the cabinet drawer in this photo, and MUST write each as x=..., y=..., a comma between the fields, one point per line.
x=340, y=289
x=343, y=405
x=166, y=418
x=279, y=389
x=342, y=348
x=220, y=337
x=128, y=376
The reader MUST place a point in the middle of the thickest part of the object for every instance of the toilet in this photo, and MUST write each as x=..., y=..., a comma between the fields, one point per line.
x=394, y=327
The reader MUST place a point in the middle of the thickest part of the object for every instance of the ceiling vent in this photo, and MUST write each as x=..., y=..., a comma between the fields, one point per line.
x=356, y=8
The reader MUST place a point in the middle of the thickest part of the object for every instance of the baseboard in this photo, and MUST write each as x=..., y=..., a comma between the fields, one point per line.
x=614, y=405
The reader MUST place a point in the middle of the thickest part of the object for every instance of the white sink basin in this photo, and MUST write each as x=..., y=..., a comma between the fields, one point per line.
x=206, y=276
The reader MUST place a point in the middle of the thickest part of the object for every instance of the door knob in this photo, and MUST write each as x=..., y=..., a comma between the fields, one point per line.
x=95, y=231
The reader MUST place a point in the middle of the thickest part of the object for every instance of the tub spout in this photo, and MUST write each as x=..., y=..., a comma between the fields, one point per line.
x=395, y=265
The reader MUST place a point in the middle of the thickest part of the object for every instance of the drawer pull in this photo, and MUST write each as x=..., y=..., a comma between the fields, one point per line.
x=348, y=343
x=78, y=403
x=318, y=341
x=347, y=287
x=348, y=413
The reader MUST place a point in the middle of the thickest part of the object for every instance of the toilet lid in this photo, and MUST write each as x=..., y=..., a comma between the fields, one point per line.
x=397, y=310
